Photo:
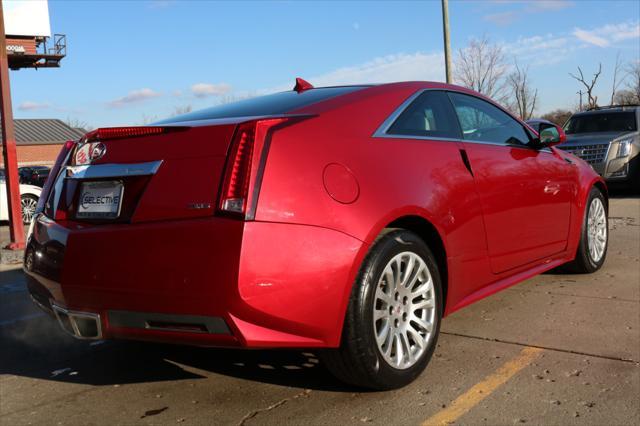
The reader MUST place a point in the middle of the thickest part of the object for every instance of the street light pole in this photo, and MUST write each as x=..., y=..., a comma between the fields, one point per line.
x=16, y=230
x=447, y=44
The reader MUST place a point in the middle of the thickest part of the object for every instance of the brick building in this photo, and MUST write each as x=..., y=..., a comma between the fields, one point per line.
x=39, y=140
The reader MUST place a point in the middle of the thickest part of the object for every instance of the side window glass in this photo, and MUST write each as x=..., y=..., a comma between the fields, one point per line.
x=481, y=121
x=429, y=115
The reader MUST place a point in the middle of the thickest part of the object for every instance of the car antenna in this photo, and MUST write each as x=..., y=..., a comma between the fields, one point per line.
x=302, y=85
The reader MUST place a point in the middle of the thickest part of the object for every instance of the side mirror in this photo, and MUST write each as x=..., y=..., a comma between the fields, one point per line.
x=551, y=135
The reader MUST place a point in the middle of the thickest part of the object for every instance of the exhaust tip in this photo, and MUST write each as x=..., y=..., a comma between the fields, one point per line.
x=81, y=325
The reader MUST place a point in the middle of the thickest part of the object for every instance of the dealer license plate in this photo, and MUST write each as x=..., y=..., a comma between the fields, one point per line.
x=100, y=200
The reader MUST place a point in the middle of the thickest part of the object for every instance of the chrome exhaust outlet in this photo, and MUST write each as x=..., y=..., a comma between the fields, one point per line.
x=81, y=325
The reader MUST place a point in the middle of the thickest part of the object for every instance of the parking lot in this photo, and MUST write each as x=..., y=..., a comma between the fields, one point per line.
x=557, y=349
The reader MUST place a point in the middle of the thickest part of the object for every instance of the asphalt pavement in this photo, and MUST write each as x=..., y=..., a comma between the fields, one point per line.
x=556, y=349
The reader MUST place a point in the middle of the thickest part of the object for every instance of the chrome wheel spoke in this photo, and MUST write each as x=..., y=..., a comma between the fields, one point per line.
x=424, y=325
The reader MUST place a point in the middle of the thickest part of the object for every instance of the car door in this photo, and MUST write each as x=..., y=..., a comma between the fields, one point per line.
x=525, y=192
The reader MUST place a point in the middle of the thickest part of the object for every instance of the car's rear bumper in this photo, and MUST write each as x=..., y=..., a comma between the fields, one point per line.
x=213, y=281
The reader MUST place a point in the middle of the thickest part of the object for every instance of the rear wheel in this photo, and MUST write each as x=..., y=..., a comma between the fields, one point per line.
x=393, y=317
x=28, y=205
x=594, y=239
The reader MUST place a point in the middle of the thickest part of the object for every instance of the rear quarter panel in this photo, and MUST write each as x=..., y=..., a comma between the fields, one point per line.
x=396, y=178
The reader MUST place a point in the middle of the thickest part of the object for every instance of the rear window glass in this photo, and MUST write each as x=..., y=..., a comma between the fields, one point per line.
x=606, y=122
x=277, y=103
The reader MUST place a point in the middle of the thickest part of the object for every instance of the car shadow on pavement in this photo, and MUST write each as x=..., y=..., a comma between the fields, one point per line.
x=39, y=349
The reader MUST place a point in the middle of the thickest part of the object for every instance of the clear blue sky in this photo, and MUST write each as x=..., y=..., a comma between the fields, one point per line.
x=132, y=61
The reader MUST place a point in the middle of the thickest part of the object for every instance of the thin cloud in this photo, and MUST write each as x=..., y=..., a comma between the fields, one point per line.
x=159, y=4
x=33, y=106
x=611, y=33
x=548, y=5
x=523, y=8
x=134, y=96
x=203, y=90
x=502, y=19
x=387, y=69
x=590, y=37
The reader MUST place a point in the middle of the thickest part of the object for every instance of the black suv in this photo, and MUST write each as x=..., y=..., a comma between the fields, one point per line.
x=34, y=175
x=608, y=139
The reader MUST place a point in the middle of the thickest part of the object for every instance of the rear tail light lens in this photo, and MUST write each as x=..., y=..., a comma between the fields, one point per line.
x=247, y=149
x=51, y=179
x=236, y=183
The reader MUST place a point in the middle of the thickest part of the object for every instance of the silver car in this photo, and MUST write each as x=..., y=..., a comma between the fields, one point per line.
x=608, y=139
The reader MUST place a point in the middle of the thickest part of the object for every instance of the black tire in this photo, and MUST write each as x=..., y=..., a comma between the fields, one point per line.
x=584, y=262
x=359, y=361
x=27, y=201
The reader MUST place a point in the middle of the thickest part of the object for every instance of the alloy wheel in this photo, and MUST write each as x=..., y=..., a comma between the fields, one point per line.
x=596, y=229
x=404, y=311
x=28, y=206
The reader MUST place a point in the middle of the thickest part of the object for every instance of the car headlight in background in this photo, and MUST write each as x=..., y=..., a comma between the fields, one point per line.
x=624, y=147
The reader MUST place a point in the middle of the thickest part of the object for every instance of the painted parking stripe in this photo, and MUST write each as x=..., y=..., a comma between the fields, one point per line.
x=480, y=391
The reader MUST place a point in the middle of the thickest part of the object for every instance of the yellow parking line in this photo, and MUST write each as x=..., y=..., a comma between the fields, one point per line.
x=480, y=391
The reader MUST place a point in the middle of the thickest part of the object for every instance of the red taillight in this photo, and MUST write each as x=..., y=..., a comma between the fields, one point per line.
x=236, y=183
x=53, y=175
x=247, y=148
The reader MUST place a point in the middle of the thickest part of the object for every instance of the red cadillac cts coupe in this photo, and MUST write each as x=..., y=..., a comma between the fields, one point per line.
x=351, y=219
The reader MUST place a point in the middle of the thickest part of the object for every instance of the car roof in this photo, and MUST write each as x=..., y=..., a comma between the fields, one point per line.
x=608, y=109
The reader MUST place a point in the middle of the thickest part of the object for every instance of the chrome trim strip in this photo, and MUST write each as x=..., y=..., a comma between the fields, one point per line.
x=112, y=170
x=381, y=132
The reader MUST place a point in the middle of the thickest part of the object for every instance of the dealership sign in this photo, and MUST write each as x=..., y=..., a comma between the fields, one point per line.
x=26, y=18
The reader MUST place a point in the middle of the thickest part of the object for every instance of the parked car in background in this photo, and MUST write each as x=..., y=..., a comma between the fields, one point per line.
x=29, y=196
x=608, y=139
x=34, y=175
x=348, y=219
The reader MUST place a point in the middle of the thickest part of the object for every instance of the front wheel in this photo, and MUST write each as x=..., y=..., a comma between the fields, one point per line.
x=393, y=317
x=28, y=205
x=594, y=239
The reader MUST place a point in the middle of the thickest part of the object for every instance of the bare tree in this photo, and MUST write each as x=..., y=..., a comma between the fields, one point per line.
x=524, y=97
x=148, y=119
x=558, y=116
x=593, y=100
x=481, y=66
x=633, y=82
x=625, y=97
x=616, y=80
x=76, y=123
x=179, y=110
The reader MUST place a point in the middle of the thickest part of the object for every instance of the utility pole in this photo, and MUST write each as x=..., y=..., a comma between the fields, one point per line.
x=16, y=229
x=579, y=92
x=447, y=44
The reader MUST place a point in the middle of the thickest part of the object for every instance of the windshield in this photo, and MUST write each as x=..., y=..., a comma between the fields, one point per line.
x=624, y=121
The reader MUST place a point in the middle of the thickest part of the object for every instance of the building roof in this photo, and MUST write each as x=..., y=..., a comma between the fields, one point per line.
x=43, y=131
